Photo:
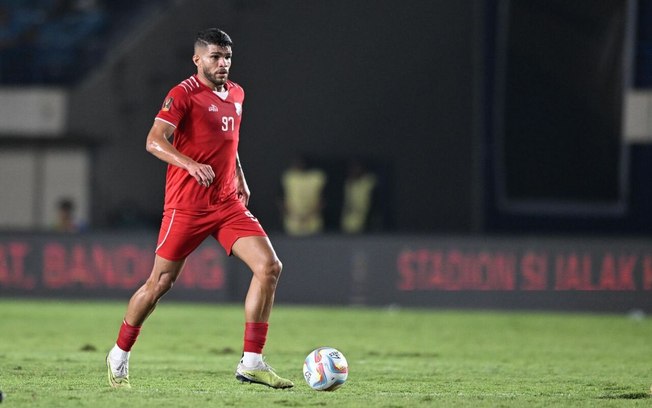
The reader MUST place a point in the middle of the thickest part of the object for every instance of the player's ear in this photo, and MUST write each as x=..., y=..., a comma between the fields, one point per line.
x=195, y=59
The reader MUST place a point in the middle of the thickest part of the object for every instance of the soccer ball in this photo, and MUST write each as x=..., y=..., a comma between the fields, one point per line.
x=325, y=369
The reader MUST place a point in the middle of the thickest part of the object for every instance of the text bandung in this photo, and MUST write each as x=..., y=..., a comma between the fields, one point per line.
x=98, y=266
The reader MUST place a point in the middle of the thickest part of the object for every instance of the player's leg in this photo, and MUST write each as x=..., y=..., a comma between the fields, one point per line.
x=180, y=233
x=144, y=300
x=258, y=254
x=141, y=305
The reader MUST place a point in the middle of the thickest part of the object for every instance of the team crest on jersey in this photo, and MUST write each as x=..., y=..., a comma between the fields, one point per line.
x=238, y=108
x=167, y=104
x=212, y=108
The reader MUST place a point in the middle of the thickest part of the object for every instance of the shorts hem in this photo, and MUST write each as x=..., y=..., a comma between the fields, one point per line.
x=170, y=258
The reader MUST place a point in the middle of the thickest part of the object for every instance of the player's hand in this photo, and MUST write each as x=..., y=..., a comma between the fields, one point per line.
x=203, y=173
x=244, y=198
x=243, y=194
x=242, y=190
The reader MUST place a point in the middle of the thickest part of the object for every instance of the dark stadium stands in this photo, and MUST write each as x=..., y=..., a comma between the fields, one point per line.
x=58, y=41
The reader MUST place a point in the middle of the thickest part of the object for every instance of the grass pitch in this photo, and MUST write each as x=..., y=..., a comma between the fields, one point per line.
x=52, y=355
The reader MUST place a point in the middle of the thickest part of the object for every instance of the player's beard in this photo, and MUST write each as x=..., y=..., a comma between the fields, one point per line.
x=216, y=79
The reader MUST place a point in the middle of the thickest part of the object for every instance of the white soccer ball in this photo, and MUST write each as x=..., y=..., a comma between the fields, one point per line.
x=325, y=369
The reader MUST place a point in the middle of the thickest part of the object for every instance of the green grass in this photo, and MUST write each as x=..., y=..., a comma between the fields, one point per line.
x=52, y=355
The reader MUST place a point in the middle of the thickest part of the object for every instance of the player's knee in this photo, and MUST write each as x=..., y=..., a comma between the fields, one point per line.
x=165, y=285
x=277, y=268
x=161, y=285
x=269, y=272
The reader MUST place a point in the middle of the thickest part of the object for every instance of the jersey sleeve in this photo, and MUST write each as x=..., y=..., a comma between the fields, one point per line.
x=174, y=106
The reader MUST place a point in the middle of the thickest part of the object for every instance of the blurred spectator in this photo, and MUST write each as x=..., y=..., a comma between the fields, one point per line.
x=359, y=188
x=302, y=199
x=66, y=219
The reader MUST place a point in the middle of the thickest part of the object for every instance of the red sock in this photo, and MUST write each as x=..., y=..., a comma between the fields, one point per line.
x=255, y=337
x=127, y=336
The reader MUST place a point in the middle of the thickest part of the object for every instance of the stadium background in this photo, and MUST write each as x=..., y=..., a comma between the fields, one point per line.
x=513, y=141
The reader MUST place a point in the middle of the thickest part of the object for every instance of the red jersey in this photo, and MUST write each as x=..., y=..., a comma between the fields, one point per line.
x=207, y=131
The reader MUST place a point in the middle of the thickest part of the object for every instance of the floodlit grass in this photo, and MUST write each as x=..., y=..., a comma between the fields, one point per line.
x=52, y=355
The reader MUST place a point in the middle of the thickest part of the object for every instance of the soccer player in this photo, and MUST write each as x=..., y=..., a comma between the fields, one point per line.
x=205, y=195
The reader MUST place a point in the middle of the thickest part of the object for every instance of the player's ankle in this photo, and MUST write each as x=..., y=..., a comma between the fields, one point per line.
x=118, y=354
x=251, y=359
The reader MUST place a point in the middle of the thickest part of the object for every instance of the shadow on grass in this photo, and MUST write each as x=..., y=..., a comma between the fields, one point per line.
x=627, y=396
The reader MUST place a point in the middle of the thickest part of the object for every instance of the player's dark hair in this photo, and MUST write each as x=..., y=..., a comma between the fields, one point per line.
x=213, y=36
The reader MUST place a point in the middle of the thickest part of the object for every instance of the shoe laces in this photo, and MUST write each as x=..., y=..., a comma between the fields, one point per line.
x=263, y=366
x=121, y=369
x=266, y=366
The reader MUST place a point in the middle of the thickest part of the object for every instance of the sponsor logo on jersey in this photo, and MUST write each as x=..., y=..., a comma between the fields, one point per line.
x=167, y=104
x=238, y=108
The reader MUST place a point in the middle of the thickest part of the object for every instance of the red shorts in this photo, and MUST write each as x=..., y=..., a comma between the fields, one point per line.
x=183, y=230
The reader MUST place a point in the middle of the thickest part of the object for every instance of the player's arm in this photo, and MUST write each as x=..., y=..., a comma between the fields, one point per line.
x=242, y=189
x=158, y=144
